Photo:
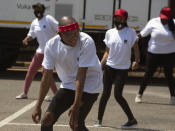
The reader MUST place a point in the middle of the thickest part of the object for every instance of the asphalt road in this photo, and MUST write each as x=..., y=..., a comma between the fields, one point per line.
x=154, y=114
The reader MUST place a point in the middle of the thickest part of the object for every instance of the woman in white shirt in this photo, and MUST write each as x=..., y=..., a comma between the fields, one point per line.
x=119, y=42
x=42, y=28
x=161, y=50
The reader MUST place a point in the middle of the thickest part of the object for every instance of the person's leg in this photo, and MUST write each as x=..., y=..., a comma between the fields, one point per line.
x=88, y=101
x=168, y=71
x=151, y=65
x=53, y=85
x=108, y=79
x=33, y=68
x=118, y=90
x=61, y=102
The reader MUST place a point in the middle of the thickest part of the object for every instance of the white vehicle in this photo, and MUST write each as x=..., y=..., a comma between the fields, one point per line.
x=94, y=17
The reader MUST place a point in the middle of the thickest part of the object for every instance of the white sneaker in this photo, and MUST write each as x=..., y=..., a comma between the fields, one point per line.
x=172, y=100
x=138, y=98
x=98, y=123
x=22, y=96
x=48, y=98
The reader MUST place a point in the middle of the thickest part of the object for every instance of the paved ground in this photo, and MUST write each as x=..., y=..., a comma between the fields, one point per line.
x=154, y=114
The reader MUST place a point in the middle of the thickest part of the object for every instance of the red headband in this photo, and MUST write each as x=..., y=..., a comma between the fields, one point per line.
x=68, y=28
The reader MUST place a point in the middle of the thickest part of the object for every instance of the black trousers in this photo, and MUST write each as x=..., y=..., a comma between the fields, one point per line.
x=153, y=61
x=62, y=101
x=119, y=78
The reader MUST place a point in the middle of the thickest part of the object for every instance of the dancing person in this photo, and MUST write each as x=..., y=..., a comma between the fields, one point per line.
x=42, y=28
x=117, y=57
x=161, y=51
x=73, y=54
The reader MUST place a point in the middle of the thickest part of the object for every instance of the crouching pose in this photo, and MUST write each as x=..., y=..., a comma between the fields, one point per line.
x=73, y=54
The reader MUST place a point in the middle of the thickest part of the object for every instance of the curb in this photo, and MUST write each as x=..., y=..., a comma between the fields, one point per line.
x=138, y=73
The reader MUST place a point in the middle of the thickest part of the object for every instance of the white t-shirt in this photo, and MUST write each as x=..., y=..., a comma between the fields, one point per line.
x=67, y=59
x=43, y=30
x=120, y=43
x=162, y=40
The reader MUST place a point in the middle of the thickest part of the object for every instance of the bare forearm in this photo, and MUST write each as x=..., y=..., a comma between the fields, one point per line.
x=136, y=52
x=44, y=87
x=28, y=38
x=105, y=56
x=80, y=80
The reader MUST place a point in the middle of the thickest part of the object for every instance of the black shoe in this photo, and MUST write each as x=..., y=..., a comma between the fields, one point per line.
x=82, y=128
x=129, y=124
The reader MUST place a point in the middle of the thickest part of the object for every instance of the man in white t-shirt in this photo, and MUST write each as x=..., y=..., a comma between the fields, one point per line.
x=42, y=28
x=73, y=54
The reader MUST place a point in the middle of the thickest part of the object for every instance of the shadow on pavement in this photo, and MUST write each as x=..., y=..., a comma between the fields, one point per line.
x=132, y=129
x=132, y=80
x=156, y=103
x=20, y=75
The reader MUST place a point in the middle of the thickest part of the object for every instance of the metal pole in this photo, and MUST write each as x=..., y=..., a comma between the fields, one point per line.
x=171, y=4
x=84, y=15
x=114, y=4
x=149, y=9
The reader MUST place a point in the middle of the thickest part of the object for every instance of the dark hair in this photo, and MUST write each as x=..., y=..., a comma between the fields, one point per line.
x=126, y=24
x=126, y=15
x=39, y=5
x=171, y=25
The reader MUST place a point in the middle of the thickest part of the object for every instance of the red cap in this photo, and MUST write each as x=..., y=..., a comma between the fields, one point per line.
x=165, y=13
x=121, y=12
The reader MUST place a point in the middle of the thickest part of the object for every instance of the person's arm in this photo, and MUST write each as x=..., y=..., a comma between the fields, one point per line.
x=137, y=56
x=74, y=110
x=139, y=35
x=53, y=23
x=105, y=56
x=31, y=34
x=44, y=87
x=147, y=30
x=26, y=40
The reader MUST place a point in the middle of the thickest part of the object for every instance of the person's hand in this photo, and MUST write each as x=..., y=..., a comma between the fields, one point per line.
x=135, y=65
x=73, y=114
x=103, y=66
x=25, y=42
x=36, y=115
